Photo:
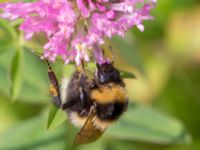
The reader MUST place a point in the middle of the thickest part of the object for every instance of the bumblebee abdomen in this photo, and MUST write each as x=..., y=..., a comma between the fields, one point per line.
x=109, y=94
x=111, y=101
x=111, y=111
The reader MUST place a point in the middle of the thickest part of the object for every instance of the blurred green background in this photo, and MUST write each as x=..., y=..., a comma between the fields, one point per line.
x=165, y=95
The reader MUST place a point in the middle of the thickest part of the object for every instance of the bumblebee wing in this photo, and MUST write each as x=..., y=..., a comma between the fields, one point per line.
x=89, y=132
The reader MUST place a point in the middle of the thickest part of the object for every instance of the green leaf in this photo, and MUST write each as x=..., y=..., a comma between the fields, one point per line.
x=4, y=48
x=32, y=135
x=7, y=33
x=56, y=117
x=126, y=74
x=5, y=64
x=8, y=36
x=143, y=123
x=127, y=50
x=16, y=74
x=34, y=88
x=35, y=79
x=193, y=146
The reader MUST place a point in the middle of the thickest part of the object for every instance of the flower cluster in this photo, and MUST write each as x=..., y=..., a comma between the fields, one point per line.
x=76, y=27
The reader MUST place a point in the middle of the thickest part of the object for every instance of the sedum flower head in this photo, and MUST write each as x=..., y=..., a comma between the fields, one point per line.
x=76, y=27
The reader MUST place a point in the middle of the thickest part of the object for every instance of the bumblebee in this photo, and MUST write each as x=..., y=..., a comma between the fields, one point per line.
x=91, y=103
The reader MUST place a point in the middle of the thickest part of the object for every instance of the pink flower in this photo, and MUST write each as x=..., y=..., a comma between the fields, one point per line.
x=74, y=28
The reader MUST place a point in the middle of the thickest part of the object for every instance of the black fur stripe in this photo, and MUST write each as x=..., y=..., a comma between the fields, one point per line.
x=111, y=111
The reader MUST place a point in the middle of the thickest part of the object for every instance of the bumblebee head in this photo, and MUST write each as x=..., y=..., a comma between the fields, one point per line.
x=107, y=73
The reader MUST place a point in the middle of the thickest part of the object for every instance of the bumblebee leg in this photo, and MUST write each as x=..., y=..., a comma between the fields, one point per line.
x=91, y=84
x=54, y=87
x=83, y=97
x=85, y=84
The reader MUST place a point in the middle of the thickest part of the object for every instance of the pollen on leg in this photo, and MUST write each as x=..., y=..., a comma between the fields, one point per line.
x=53, y=90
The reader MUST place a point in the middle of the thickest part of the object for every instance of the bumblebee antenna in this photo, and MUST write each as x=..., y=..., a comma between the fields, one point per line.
x=82, y=66
x=112, y=52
